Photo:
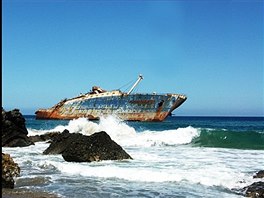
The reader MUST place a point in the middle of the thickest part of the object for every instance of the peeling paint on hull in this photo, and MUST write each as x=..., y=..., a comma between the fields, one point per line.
x=132, y=107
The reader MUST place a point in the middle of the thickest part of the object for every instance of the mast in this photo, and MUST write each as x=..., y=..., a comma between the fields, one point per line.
x=140, y=77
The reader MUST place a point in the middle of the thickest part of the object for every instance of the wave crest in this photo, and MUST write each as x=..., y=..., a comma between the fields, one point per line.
x=163, y=138
x=126, y=135
x=221, y=138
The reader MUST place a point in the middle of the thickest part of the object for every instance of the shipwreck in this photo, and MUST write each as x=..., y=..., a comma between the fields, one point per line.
x=125, y=105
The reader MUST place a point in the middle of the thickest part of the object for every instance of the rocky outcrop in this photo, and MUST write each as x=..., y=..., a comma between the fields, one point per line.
x=14, y=131
x=259, y=174
x=76, y=147
x=61, y=142
x=96, y=147
x=255, y=190
x=10, y=170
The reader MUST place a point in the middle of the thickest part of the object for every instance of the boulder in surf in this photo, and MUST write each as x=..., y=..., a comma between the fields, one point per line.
x=76, y=147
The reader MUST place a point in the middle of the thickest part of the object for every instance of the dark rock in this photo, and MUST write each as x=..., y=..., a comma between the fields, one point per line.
x=14, y=131
x=259, y=174
x=96, y=147
x=76, y=147
x=255, y=190
x=61, y=142
x=10, y=169
x=44, y=137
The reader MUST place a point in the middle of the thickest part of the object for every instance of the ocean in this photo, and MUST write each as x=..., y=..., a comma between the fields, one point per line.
x=179, y=157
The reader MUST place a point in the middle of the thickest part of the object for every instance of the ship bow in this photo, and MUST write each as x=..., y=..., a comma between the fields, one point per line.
x=179, y=99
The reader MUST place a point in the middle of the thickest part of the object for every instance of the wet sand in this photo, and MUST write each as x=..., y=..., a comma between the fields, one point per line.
x=26, y=193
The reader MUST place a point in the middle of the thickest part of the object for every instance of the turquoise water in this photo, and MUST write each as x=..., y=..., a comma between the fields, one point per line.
x=180, y=157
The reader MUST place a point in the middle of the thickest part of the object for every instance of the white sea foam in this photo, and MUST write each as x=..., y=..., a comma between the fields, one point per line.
x=126, y=135
x=217, y=175
x=205, y=166
x=162, y=138
x=32, y=132
x=152, y=163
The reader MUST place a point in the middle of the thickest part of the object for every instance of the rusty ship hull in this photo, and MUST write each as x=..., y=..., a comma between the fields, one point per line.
x=126, y=106
x=132, y=107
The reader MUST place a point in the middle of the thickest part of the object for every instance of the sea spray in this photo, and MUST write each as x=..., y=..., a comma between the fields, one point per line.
x=126, y=135
x=163, y=138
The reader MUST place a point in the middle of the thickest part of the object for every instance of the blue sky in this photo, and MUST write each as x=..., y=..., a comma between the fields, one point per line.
x=212, y=51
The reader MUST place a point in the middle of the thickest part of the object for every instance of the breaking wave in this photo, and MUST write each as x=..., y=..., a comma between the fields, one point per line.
x=126, y=135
